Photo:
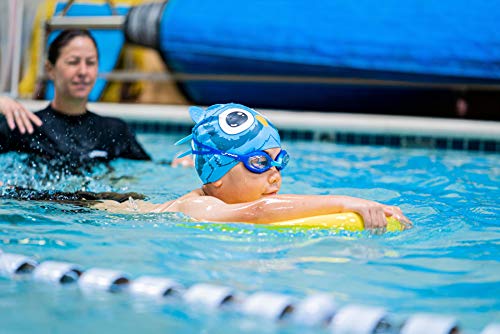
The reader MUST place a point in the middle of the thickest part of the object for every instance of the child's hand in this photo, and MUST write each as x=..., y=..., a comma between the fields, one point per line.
x=374, y=214
x=186, y=161
x=395, y=211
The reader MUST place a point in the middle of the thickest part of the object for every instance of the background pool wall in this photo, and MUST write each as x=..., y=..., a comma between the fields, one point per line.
x=315, y=310
x=342, y=128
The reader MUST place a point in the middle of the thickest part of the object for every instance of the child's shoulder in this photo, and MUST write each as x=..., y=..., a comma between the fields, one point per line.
x=179, y=203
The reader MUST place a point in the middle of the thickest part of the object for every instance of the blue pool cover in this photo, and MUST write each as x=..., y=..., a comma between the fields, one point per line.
x=417, y=41
x=443, y=38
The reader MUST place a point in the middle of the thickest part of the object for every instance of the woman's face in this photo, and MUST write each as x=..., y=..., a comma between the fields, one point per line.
x=75, y=71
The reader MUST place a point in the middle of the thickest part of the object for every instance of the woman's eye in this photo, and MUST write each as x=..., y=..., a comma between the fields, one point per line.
x=234, y=120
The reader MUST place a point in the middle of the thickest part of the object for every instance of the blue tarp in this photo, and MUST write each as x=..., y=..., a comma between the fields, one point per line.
x=446, y=38
x=450, y=42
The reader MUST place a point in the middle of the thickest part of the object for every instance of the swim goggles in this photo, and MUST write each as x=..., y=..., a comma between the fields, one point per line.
x=257, y=162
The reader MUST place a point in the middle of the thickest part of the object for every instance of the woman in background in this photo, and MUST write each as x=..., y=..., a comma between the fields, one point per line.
x=66, y=130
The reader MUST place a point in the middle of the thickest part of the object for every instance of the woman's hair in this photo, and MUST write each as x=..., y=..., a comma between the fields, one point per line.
x=63, y=39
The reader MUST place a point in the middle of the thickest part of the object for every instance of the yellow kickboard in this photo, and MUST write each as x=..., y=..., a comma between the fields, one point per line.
x=348, y=221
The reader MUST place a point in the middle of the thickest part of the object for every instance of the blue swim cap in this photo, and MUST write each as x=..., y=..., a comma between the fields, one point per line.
x=231, y=128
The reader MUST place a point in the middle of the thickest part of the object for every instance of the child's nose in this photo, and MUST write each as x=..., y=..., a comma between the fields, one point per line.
x=274, y=175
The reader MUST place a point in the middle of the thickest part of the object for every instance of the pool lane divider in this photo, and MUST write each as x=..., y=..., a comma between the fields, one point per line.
x=314, y=310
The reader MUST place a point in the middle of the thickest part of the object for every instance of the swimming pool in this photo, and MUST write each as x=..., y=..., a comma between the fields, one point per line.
x=447, y=264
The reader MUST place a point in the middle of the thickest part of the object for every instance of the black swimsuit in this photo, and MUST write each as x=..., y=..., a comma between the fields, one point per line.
x=74, y=139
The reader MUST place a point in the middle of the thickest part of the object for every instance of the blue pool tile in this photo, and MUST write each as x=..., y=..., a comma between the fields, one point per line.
x=474, y=145
x=350, y=138
x=457, y=144
x=441, y=143
x=491, y=146
x=379, y=140
x=364, y=139
x=394, y=141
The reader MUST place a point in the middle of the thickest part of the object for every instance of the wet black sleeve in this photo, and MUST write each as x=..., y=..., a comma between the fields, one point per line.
x=7, y=140
x=131, y=148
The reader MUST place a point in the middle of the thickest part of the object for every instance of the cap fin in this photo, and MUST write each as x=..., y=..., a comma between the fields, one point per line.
x=196, y=113
x=184, y=140
x=182, y=155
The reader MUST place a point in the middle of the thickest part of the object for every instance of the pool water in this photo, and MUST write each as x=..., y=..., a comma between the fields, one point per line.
x=448, y=264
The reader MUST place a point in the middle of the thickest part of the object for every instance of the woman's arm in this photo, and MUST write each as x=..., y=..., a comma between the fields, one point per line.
x=129, y=206
x=283, y=207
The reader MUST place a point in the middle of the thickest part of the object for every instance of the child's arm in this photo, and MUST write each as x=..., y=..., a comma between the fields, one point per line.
x=284, y=207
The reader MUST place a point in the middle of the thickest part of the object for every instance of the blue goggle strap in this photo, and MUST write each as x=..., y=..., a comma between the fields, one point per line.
x=211, y=150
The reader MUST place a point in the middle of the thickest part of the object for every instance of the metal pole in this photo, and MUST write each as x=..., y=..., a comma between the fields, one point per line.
x=40, y=73
x=6, y=57
x=87, y=22
x=16, y=59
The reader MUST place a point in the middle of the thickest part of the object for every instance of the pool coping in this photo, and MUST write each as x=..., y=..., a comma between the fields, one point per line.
x=369, y=129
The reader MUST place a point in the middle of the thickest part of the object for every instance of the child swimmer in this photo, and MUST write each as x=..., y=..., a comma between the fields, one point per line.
x=238, y=157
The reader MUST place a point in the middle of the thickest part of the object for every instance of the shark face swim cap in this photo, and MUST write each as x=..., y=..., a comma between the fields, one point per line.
x=231, y=128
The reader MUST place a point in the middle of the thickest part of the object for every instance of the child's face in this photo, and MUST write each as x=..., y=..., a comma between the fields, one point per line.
x=240, y=185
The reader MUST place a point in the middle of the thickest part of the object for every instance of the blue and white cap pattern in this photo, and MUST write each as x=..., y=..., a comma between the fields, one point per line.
x=231, y=128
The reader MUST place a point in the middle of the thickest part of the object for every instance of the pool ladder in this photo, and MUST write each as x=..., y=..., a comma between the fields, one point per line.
x=314, y=310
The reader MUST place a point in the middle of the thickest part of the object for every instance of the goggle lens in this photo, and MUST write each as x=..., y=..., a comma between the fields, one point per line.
x=260, y=162
x=283, y=158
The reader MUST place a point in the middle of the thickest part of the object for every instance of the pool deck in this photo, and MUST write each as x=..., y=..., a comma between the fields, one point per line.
x=319, y=124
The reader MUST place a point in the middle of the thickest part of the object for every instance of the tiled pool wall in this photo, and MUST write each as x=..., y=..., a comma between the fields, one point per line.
x=347, y=137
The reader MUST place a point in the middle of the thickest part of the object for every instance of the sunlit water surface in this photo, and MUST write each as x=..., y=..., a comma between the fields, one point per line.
x=448, y=263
